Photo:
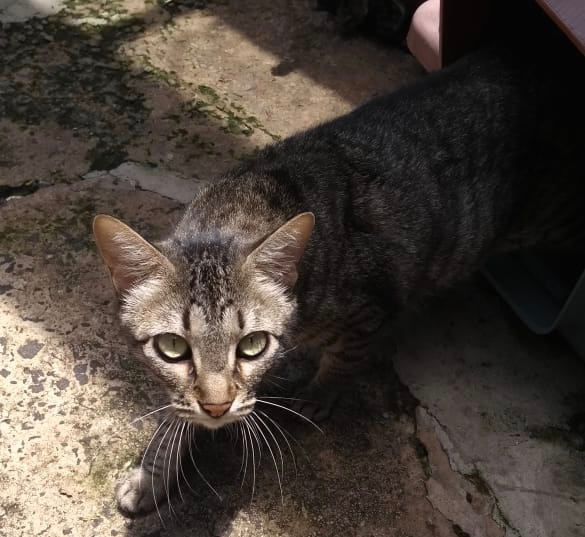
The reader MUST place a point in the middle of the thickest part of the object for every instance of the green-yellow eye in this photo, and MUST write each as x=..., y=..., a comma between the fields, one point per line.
x=252, y=345
x=172, y=346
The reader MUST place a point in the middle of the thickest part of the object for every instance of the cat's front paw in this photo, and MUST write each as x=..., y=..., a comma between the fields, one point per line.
x=315, y=402
x=137, y=494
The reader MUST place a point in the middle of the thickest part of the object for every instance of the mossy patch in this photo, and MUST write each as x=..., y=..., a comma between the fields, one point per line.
x=110, y=460
x=207, y=103
x=72, y=75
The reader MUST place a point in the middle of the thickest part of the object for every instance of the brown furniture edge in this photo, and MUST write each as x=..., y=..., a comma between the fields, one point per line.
x=564, y=13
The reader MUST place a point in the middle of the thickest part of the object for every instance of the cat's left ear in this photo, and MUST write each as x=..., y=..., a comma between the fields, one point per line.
x=278, y=256
x=129, y=257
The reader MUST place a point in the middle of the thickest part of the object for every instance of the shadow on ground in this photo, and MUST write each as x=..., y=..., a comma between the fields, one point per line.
x=71, y=387
x=192, y=87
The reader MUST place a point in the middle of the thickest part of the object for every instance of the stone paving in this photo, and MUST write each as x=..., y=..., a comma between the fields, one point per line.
x=474, y=428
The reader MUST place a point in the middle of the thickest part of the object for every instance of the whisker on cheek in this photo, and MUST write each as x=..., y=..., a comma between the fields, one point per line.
x=274, y=439
x=154, y=469
x=190, y=441
x=166, y=476
x=185, y=429
x=253, y=451
x=278, y=475
x=282, y=431
x=151, y=413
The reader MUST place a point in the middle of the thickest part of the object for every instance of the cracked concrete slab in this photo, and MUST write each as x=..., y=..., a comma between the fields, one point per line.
x=465, y=502
x=509, y=404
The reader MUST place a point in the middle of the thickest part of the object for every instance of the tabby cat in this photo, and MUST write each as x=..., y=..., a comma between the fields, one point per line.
x=323, y=238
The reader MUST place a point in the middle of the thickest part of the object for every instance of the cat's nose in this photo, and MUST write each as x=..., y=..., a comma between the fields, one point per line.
x=216, y=411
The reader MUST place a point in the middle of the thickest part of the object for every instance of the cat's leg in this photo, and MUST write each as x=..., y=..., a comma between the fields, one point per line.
x=343, y=359
x=147, y=486
x=337, y=369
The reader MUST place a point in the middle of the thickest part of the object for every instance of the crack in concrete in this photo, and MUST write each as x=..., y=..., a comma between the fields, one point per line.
x=545, y=493
x=8, y=192
x=464, y=498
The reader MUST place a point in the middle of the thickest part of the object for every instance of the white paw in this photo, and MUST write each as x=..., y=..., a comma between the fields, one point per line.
x=135, y=494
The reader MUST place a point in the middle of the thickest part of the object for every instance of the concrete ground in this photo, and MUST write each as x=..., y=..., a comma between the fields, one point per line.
x=475, y=428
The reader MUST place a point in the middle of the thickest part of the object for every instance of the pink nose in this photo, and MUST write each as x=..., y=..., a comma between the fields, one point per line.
x=216, y=411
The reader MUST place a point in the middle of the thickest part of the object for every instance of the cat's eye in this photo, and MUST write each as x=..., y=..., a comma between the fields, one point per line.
x=252, y=345
x=172, y=347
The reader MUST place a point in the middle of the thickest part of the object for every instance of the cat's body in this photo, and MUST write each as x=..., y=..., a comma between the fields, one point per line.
x=411, y=191
x=409, y=194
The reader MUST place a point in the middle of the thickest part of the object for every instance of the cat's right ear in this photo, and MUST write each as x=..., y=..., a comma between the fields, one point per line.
x=129, y=258
x=279, y=255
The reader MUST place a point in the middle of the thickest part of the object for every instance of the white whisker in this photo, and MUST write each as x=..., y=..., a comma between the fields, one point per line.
x=178, y=455
x=253, y=430
x=150, y=413
x=181, y=459
x=245, y=452
x=154, y=468
x=166, y=478
x=280, y=387
x=197, y=467
x=283, y=353
x=292, y=412
x=262, y=422
x=282, y=430
x=253, y=459
x=150, y=442
x=287, y=398
x=279, y=378
x=255, y=424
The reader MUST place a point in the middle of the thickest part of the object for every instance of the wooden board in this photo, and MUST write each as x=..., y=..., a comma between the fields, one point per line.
x=569, y=16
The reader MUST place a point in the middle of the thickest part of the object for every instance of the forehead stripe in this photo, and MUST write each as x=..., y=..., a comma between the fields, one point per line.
x=186, y=319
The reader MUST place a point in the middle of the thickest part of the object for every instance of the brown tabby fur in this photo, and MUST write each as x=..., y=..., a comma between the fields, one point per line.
x=407, y=194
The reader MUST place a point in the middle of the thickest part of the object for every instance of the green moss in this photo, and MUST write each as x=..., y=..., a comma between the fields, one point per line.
x=100, y=476
x=208, y=92
x=110, y=460
x=90, y=94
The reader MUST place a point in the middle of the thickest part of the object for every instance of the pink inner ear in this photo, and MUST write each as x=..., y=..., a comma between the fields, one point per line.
x=122, y=279
x=279, y=255
x=128, y=256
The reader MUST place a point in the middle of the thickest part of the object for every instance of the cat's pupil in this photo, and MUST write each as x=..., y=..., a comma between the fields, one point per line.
x=172, y=346
x=252, y=345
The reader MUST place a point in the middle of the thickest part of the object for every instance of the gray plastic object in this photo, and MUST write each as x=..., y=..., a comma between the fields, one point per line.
x=546, y=292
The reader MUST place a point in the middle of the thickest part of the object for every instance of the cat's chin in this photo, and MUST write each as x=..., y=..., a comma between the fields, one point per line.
x=207, y=422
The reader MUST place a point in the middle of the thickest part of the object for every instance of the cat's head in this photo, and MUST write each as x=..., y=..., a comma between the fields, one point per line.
x=211, y=312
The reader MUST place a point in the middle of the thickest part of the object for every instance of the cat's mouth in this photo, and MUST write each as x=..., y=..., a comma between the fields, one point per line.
x=196, y=416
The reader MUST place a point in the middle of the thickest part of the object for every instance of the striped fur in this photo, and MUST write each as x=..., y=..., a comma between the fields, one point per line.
x=410, y=193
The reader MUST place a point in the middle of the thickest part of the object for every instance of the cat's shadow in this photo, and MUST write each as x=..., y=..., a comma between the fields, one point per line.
x=309, y=473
